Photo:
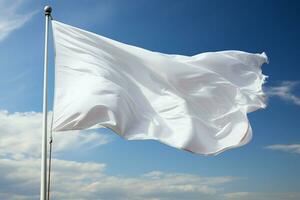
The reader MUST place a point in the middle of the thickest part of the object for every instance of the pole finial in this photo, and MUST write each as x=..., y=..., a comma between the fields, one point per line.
x=47, y=10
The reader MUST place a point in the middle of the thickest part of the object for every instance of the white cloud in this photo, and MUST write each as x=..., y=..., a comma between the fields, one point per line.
x=291, y=148
x=76, y=181
x=261, y=196
x=236, y=195
x=20, y=135
x=10, y=17
x=82, y=181
x=285, y=91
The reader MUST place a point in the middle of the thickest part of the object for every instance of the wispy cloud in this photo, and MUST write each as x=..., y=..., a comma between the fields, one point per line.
x=236, y=195
x=261, y=195
x=290, y=148
x=10, y=17
x=285, y=91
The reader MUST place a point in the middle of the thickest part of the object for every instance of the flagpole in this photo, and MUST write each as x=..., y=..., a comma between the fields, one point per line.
x=43, y=191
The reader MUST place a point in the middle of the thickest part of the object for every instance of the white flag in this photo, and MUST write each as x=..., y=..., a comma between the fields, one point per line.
x=197, y=103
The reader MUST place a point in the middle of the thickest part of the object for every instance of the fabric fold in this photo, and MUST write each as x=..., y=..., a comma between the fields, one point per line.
x=196, y=103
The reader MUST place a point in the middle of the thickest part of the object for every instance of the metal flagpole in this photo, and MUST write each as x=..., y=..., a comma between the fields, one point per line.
x=43, y=191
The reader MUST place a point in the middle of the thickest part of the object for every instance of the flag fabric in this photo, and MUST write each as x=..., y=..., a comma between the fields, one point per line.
x=196, y=103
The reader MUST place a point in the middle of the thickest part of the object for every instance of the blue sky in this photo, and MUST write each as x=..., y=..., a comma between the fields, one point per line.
x=113, y=168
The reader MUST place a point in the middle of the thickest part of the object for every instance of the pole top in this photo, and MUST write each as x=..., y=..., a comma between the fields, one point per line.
x=47, y=10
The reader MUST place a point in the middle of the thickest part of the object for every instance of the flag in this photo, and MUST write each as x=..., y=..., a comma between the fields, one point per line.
x=197, y=103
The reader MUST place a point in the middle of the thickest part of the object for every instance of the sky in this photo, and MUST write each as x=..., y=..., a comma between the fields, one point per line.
x=97, y=164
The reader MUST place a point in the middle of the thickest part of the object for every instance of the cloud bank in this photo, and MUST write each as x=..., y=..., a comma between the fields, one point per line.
x=77, y=181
